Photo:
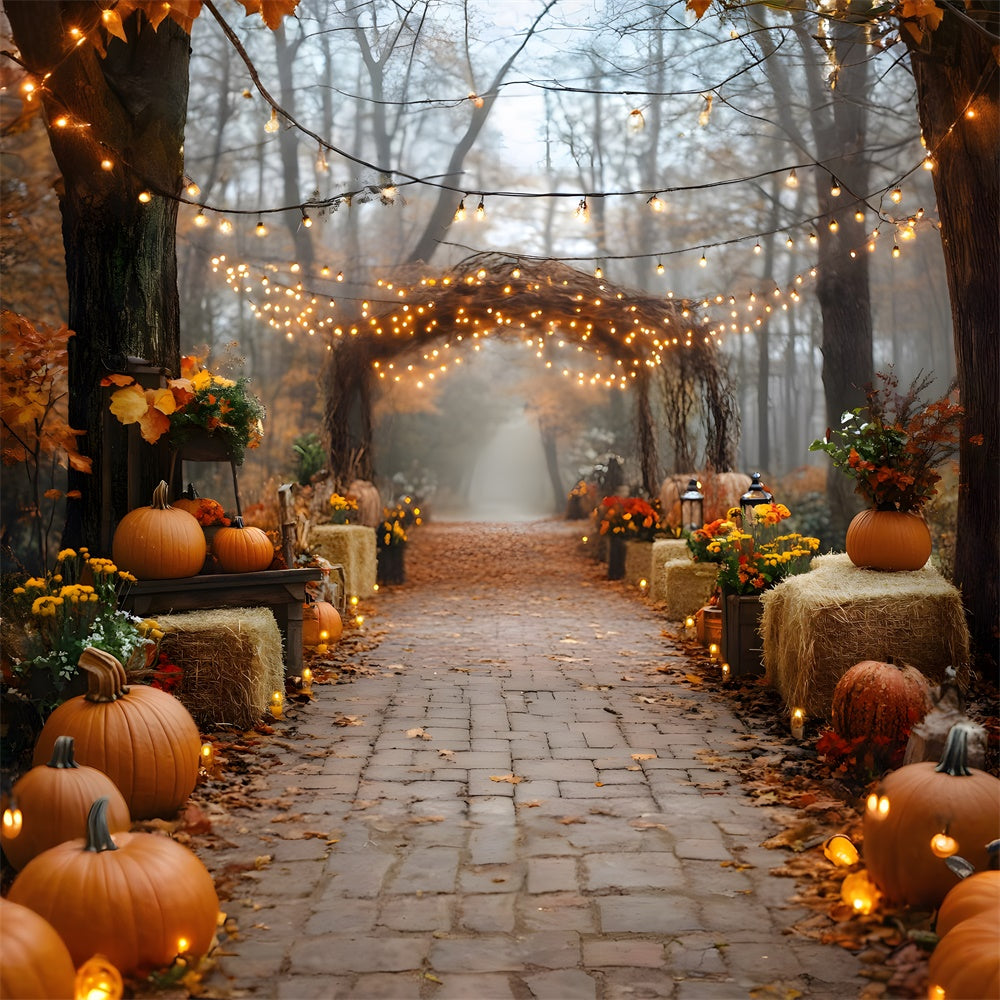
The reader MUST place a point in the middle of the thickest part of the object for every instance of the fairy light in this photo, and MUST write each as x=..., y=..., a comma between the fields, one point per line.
x=704, y=261
x=598, y=271
x=896, y=196
x=834, y=226
x=659, y=267
x=896, y=251
x=757, y=248
x=481, y=210
x=859, y=215
x=460, y=213
x=225, y=227
x=107, y=164
x=272, y=123
x=813, y=239
x=656, y=203
x=201, y=220
x=929, y=163
x=145, y=197
x=792, y=180
x=260, y=229
x=192, y=189
x=306, y=221
x=835, y=188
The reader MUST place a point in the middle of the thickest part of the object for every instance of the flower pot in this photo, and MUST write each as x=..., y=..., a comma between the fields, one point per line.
x=204, y=446
x=742, y=645
x=888, y=540
x=391, y=564
x=616, y=557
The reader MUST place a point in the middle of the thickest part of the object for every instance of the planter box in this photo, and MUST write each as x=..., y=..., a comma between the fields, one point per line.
x=742, y=645
x=708, y=625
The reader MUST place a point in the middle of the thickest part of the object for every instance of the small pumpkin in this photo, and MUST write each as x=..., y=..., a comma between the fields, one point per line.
x=188, y=501
x=320, y=623
x=34, y=962
x=159, y=542
x=54, y=799
x=138, y=898
x=965, y=964
x=144, y=739
x=894, y=540
x=914, y=805
x=880, y=699
x=979, y=893
x=242, y=548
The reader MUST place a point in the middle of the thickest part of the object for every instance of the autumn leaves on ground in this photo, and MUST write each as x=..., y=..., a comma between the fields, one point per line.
x=506, y=570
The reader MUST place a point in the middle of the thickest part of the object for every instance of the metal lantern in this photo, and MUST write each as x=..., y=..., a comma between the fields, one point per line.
x=753, y=496
x=693, y=506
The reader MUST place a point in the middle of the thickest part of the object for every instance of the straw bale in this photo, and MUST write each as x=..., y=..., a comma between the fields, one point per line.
x=819, y=624
x=638, y=562
x=686, y=586
x=231, y=660
x=664, y=550
x=353, y=546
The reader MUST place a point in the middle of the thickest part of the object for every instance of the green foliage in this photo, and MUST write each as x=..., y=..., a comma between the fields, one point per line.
x=310, y=457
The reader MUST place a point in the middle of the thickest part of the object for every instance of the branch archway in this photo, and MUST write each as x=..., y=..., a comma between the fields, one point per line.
x=631, y=339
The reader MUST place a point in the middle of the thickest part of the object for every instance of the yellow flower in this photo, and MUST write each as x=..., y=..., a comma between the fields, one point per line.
x=127, y=576
x=201, y=380
x=222, y=382
x=66, y=554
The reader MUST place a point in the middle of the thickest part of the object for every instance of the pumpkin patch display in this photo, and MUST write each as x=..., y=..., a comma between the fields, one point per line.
x=922, y=813
x=321, y=623
x=876, y=699
x=965, y=965
x=138, y=898
x=144, y=739
x=34, y=962
x=54, y=799
x=242, y=549
x=159, y=542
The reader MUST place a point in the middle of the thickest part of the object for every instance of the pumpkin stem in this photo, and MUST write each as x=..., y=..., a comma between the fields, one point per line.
x=106, y=676
x=98, y=834
x=62, y=754
x=191, y=493
x=160, y=501
x=955, y=759
x=237, y=522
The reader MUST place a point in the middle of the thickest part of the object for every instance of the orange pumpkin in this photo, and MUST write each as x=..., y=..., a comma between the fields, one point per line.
x=979, y=893
x=880, y=699
x=34, y=962
x=144, y=739
x=965, y=965
x=912, y=806
x=138, y=898
x=321, y=623
x=54, y=799
x=159, y=542
x=242, y=548
x=889, y=540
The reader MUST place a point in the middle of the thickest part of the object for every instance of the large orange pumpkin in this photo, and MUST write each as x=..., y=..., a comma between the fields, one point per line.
x=321, y=623
x=915, y=804
x=54, y=799
x=144, y=739
x=138, y=898
x=965, y=965
x=34, y=962
x=159, y=542
x=880, y=699
x=242, y=549
x=889, y=540
x=979, y=893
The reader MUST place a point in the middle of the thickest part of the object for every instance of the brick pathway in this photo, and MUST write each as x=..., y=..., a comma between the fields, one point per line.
x=619, y=865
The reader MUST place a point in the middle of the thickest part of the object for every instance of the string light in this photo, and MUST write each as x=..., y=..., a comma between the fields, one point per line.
x=659, y=267
x=859, y=215
x=656, y=203
x=272, y=123
x=895, y=250
x=703, y=262
x=192, y=189
x=582, y=211
x=460, y=212
x=481, y=210
x=145, y=197
x=306, y=221
x=928, y=163
x=260, y=229
x=792, y=180
x=201, y=220
x=107, y=164
x=834, y=225
x=598, y=272
x=225, y=227
x=757, y=247
x=896, y=196
x=835, y=188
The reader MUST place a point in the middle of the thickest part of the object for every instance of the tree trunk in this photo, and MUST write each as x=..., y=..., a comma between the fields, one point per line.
x=955, y=74
x=121, y=261
x=550, y=448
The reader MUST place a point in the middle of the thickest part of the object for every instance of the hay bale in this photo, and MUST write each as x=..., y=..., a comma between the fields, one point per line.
x=686, y=586
x=638, y=562
x=818, y=625
x=353, y=546
x=231, y=662
x=664, y=550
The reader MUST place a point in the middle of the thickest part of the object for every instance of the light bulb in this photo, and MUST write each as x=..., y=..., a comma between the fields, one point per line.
x=789, y=243
x=306, y=221
x=792, y=180
x=757, y=247
x=835, y=188
x=813, y=239
x=656, y=203
x=896, y=196
x=895, y=250
x=659, y=267
x=225, y=227
x=107, y=164
x=703, y=262
x=272, y=122
x=460, y=213
x=834, y=225
x=598, y=273
x=201, y=220
x=480, y=211
x=340, y=276
x=859, y=216
x=261, y=228
x=145, y=197
x=928, y=163
x=192, y=189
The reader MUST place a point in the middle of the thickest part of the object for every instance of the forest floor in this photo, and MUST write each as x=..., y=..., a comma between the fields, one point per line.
x=516, y=779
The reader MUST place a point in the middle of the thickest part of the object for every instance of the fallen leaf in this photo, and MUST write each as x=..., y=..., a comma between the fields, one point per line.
x=427, y=819
x=644, y=756
x=511, y=779
x=448, y=754
x=598, y=784
x=566, y=820
x=418, y=733
x=432, y=978
x=262, y=861
x=693, y=679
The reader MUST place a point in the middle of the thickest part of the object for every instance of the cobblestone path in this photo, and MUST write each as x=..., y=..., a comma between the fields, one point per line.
x=510, y=817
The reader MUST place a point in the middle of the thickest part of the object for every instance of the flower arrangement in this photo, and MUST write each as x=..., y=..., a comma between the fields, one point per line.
x=392, y=529
x=894, y=444
x=62, y=615
x=633, y=517
x=341, y=509
x=750, y=562
x=209, y=513
x=197, y=403
x=698, y=540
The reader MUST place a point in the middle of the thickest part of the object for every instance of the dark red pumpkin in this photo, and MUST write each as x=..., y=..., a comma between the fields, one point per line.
x=880, y=699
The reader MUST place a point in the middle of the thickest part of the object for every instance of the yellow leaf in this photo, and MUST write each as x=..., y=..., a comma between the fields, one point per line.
x=163, y=400
x=511, y=779
x=272, y=11
x=129, y=404
x=418, y=733
x=153, y=425
x=693, y=679
x=643, y=756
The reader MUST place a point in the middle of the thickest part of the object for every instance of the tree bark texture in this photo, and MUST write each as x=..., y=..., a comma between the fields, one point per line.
x=121, y=266
x=956, y=72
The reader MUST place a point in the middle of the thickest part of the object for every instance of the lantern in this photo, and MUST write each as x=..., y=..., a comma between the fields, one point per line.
x=860, y=892
x=753, y=496
x=693, y=506
x=98, y=979
x=841, y=851
x=798, y=723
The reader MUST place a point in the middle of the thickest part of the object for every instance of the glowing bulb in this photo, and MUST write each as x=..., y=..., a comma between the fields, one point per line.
x=896, y=196
x=61, y=122
x=98, y=979
x=192, y=189
x=813, y=239
x=460, y=213
x=306, y=221
x=201, y=220
x=929, y=163
x=841, y=851
x=943, y=846
x=476, y=99
x=145, y=197
x=359, y=620
x=659, y=267
x=792, y=180
x=757, y=247
x=480, y=211
x=834, y=225
x=895, y=250
x=878, y=805
x=789, y=243
x=835, y=188
x=656, y=203
x=272, y=123
x=225, y=227
x=860, y=892
x=859, y=216
x=598, y=273
x=107, y=164
x=970, y=113
x=260, y=229
x=354, y=601
x=703, y=262
x=12, y=821
x=713, y=650
x=207, y=755
x=340, y=276
x=28, y=89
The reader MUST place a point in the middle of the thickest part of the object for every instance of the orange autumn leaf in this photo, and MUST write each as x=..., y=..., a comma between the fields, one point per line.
x=511, y=779
x=162, y=400
x=271, y=11
x=699, y=7
x=117, y=379
x=129, y=404
x=153, y=425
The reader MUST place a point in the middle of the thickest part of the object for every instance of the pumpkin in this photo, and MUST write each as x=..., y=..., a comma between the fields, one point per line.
x=242, y=548
x=34, y=962
x=888, y=539
x=880, y=699
x=914, y=806
x=979, y=893
x=54, y=799
x=965, y=965
x=159, y=542
x=142, y=738
x=319, y=618
x=138, y=898
x=188, y=501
